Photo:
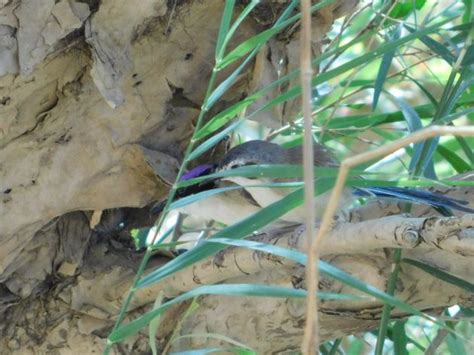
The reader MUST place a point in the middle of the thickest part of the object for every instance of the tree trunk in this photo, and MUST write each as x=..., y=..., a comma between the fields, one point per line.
x=98, y=101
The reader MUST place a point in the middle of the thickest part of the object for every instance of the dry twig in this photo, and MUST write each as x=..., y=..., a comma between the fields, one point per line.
x=310, y=339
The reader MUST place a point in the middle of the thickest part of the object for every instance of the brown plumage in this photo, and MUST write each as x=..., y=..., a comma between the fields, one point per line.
x=263, y=152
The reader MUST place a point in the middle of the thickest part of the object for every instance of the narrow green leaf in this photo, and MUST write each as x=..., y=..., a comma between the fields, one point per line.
x=356, y=347
x=409, y=340
x=201, y=196
x=468, y=58
x=230, y=33
x=375, y=119
x=425, y=91
x=467, y=148
x=227, y=83
x=224, y=117
x=421, y=158
x=237, y=231
x=288, y=11
x=352, y=64
x=250, y=44
x=399, y=338
x=243, y=15
x=410, y=115
x=264, y=290
x=453, y=116
x=451, y=94
x=154, y=324
x=323, y=349
x=141, y=238
x=224, y=27
x=228, y=290
x=273, y=171
x=455, y=345
x=227, y=115
x=387, y=308
x=385, y=65
x=466, y=17
x=405, y=7
x=211, y=142
x=335, y=346
x=454, y=160
x=442, y=275
x=454, y=94
x=436, y=47
x=326, y=269
x=208, y=193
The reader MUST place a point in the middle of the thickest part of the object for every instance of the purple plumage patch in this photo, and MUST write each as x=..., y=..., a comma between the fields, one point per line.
x=198, y=171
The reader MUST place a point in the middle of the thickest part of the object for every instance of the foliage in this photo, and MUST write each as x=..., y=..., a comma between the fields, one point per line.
x=387, y=70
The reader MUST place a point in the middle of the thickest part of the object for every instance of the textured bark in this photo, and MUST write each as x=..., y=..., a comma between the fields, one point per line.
x=97, y=102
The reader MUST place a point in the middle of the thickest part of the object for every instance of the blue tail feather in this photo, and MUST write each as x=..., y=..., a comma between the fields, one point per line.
x=415, y=196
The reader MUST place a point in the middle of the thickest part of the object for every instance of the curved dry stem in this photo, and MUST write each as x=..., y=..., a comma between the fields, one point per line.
x=346, y=165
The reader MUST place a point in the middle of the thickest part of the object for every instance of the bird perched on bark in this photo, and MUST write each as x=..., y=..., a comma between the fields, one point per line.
x=232, y=206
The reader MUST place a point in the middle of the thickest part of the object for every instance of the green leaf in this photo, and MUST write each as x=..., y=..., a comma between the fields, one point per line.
x=385, y=65
x=259, y=39
x=356, y=347
x=404, y=7
x=436, y=47
x=468, y=58
x=224, y=117
x=420, y=159
x=442, y=275
x=252, y=43
x=455, y=160
x=375, y=119
x=141, y=237
x=211, y=142
x=467, y=16
x=425, y=91
x=230, y=113
x=387, y=308
x=335, y=346
x=154, y=324
x=352, y=64
x=325, y=269
x=208, y=193
x=409, y=340
x=224, y=27
x=221, y=45
x=227, y=83
x=272, y=171
x=264, y=290
x=455, y=345
x=228, y=290
x=467, y=148
x=238, y=230
x=399, y=338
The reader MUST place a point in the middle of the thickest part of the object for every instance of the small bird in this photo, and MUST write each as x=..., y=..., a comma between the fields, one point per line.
x=232, y=206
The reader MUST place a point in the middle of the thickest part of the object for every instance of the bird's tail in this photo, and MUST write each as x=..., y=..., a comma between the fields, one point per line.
x=415, y=196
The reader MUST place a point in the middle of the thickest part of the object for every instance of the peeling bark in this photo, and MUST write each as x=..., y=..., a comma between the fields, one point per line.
x=97, y=103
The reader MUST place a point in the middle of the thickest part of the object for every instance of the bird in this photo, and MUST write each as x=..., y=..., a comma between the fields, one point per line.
x=248, y=197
